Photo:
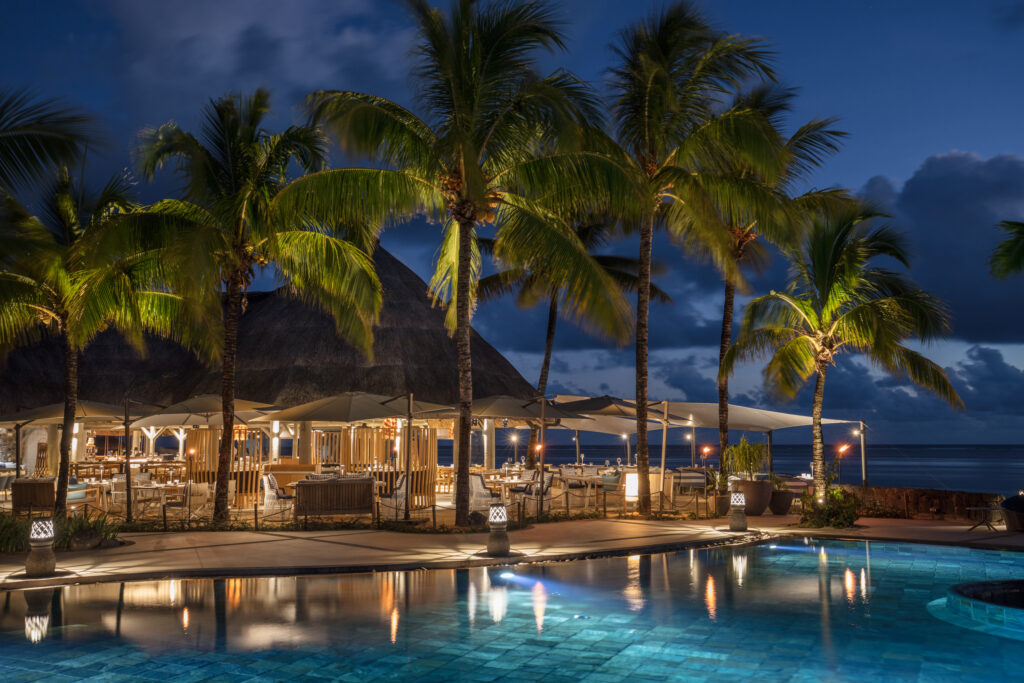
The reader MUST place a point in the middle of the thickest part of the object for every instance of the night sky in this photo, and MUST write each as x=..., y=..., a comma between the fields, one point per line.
x=931, y=93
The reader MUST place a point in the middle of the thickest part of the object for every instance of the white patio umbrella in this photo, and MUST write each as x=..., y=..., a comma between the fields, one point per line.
x=351, y=406
x=85, y=411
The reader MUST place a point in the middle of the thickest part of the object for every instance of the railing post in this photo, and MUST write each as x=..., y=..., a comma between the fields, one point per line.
x=256, y=515
x=163, y=513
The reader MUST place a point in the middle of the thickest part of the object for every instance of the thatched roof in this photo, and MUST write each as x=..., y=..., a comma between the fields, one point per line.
x=288, y=353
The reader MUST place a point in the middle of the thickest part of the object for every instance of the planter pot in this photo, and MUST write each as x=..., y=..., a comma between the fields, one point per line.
x=1013, y=513
x=720, y=505
x=757, y=493
x=781, y=502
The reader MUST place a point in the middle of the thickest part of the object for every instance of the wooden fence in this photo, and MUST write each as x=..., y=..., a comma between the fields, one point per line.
x=202, y=448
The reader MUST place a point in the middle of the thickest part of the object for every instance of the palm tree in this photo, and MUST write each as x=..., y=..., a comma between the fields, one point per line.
x=59, y=278
x=492, y=136
x=533, y=287
x=673, y=71
x=232, y=222
x=1008, y=257
x=838, y=301
x=35, y=135
x=770, y=213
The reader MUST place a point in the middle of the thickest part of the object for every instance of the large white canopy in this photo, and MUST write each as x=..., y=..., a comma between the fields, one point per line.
x=680, y=414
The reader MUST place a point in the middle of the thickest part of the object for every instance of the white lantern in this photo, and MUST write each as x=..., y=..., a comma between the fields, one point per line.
x=498, y=514
x=40, y=561
x=739, y=499
x=498, y=544
x=42, y=530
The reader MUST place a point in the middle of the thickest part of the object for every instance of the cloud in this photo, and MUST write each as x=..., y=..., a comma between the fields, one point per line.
x=949, y=209
x=197, y=50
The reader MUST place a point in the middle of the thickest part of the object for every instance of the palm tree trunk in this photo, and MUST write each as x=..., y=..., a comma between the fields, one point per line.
x=723, y=381
x=70, y=405
x=542, y=383
x=643, y=305
x=818, y=442
x=462, y=338
x=232, y=313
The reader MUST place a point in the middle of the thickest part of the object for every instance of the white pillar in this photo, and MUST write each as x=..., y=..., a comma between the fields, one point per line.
x=489, y=443
x=180, y=434
x=275, y=442
x=80, y=439
x=305, y=442
x=52, y=451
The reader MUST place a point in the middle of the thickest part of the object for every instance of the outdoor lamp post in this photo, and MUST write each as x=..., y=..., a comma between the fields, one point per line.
x=738, y=512
x=625, y=442
x=40, y=561
x=515, y=447
x=497, y=521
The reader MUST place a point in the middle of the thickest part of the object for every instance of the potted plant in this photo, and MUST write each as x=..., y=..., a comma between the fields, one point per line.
x=747, y=459
x=782, y=497
x=718, y=492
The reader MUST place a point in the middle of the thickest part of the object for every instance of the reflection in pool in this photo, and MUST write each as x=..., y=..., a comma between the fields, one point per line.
x=835, y=610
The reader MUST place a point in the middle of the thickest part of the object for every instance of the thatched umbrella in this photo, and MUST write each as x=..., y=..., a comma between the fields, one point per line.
x=288, y=353
x=351, y=406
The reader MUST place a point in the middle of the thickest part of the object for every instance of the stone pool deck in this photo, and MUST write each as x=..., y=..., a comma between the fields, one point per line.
x=249, y=553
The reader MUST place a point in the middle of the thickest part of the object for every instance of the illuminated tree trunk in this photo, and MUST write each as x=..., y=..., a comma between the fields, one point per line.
x=232, y=313
x=542, y=383
x=70, y=408
x=465, y=361
x=723, y=380
x=643, y=304
x=817, y=441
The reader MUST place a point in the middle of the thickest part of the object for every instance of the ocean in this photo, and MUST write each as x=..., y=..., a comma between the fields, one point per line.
x=981, y=468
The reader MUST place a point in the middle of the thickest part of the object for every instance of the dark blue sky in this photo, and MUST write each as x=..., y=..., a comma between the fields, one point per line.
x=930, y=92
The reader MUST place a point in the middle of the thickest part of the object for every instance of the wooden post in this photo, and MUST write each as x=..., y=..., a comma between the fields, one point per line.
x=408, y=457
x=256, y=515
x=163, y=512
x=771, y=461
x=17, y=450
x=863, y=456
x=540, y=500
x=664, y=447
x=127, y=466
x=577, y=440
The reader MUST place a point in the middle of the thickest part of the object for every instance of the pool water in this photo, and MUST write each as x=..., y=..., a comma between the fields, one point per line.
x=827, y=610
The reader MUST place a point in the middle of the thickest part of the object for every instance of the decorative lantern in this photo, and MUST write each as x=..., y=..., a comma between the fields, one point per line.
x=40, y=561
x=497, y=542
x=738, y=512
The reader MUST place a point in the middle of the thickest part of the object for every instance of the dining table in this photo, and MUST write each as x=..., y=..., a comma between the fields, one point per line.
x=590, y=483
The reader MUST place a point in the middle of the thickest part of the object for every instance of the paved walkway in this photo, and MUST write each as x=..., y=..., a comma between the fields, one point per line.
x=157, y=555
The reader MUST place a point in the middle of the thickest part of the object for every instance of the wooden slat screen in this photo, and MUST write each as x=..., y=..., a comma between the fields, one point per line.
x=372, y=450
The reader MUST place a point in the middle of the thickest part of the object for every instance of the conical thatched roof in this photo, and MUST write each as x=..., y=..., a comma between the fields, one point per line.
x=288, y=353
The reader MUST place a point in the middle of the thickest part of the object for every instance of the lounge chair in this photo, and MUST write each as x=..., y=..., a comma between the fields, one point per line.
x=275, y=500
x=393, y=504
x=480, y=497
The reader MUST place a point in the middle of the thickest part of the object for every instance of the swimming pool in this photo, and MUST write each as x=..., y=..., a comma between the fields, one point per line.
x=790, y=611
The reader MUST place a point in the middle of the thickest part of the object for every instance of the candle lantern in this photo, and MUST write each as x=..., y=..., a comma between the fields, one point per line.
x=40, y=561
x=738, y=512
x=497, y=542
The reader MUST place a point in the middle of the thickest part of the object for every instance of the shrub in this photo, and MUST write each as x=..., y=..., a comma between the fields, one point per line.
x=838, y=510
x=746, y=457
x=14, y=531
